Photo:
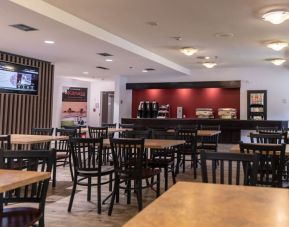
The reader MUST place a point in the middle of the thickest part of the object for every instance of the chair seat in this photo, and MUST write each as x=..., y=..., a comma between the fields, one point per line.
x=146, y=173
x=105, y=170
x=161, y=163
x=19, y=216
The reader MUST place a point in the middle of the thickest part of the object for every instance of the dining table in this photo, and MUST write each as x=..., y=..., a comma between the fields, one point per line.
x=13, y=179
x=188, y=204
x=25, y=139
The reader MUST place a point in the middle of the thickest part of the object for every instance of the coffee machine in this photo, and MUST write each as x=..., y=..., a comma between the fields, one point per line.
x=155, y=109
x=141, y=109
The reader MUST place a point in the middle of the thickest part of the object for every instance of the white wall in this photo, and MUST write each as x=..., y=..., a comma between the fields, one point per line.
x=94, y=89
x=273, y=79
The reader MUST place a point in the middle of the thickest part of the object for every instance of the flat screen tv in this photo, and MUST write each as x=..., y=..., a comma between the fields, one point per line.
x=18, y=79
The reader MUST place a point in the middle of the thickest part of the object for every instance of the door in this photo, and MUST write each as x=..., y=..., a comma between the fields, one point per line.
x=107, y=107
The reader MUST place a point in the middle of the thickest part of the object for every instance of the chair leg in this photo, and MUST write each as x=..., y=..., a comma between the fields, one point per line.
x=70, y=166
x=158, y=185
x=54, y=174
x=184, y=163
x=117, y=193
x=139, y=194
x=195, y=166
x=173, y=174
x=166, y=178
x=41, y=221
x=114, y=192
x=128, y=191
x=89, y=189
x=110, y=183
x=72, y=193
x=178, y=164
x=99, y=194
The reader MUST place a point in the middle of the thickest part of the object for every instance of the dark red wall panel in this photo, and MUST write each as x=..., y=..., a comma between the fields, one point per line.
x=189, y=99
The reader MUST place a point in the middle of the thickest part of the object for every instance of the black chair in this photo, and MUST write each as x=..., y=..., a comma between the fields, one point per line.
x=30, y=160
x=271, y=138
x=187, y=149
x=98, y=132
x=164, y=158
x=266, y=129
x=88, y=163
x=5, y=142
x=230, y=173
x=62, y=147
x=146, y=134
x=209, y=142
x=130, y=166
x=108, y=125
x=271, y=162
x=78, y=129
x=44, y=132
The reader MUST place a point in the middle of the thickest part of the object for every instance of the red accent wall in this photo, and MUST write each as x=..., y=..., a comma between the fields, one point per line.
x=189, y=99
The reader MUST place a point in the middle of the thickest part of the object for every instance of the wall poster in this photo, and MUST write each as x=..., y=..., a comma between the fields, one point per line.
x=74, y=106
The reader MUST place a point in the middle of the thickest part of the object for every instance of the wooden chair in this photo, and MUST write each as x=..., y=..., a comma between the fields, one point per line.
x=130, y=166
x=98, y=132
x=271, y=162
x=271, y=138
x=62, y=147
x=87, y=159
x=187, y=149
x=163, y=158
x=107, y=125
x=209, y=142
x=45, y=132
x=266, y=129
x=230, y=173
x=78, y=129
x=5, y=142
x=30, y=160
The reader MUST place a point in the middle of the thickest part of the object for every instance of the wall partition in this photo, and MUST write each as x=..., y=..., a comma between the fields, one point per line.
x=21, y=112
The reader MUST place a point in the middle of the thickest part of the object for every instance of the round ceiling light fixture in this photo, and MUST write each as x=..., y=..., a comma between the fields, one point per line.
x=224, y=35
x=277, y=61
x=209, y=65
x=276, y=16
x=277, y=46
x=189, y=51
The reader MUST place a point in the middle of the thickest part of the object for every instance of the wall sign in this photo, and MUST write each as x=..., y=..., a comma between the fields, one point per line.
x=74, y=106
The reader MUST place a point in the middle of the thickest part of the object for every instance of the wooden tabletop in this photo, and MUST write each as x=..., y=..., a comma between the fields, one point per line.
x=154, y=143
x=236, y=148
x=32, y=139
x=196, y=204
x=202, y=132
x=12, y=179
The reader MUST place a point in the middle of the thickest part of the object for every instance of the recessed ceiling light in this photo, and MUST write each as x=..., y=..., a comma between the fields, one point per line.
x=276, y=16
x=144, y=71
x=203, y=57
x=152, y=23
x=49, y=42
x=224, y=35
x=85, y=73
x=108, y=60
x=209, y=65
x=278, y=45
x=177, y=38
x=189, y=51
x=277, y=61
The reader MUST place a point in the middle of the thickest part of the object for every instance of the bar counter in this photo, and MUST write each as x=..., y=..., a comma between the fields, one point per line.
x=231, y=129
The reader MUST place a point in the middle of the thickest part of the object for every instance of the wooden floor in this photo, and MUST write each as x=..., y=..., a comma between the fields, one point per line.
x=84, y=213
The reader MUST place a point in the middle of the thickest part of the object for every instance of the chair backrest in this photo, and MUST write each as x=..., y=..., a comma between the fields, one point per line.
x=43, y=132
x=98, y=132
x=190, y=136
x=30, y=160
x=5, y=142
x=129, y=157
x=75, y=127
x=266, y=129
x=230, y=168
x=271, y=138
x=210, y=139
x=271, y=161
x=146, y=134
x=63, y=145
x=164, y=153
x=107, y=125
x=87, y=153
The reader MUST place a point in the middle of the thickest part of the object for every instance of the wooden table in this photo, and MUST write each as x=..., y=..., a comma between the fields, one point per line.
x=154, y=143
x=24, y=139
x=236, y=148
x=196, y=204
x=205, y=133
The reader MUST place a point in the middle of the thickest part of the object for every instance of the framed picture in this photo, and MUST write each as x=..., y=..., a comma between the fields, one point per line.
x=257, y=104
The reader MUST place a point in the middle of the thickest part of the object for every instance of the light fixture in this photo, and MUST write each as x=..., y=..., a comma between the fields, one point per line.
x=279, y=45
x=108, y=60
x=189, y=51
x=278, y=61
x=85, y=73
x=144, y=71
x=276, y=16
x=49, y=42
x=209, y=65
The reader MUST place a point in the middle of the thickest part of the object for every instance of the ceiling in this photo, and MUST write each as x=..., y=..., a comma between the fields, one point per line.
x=139, y=44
